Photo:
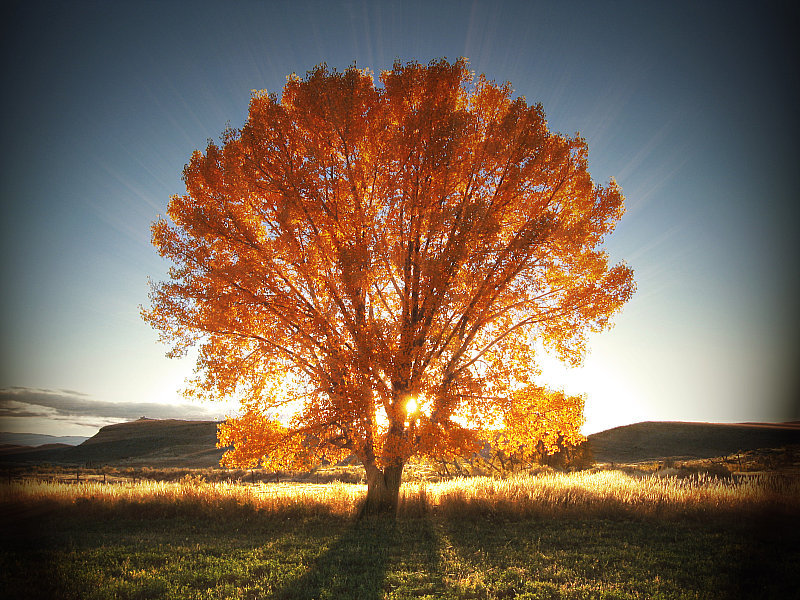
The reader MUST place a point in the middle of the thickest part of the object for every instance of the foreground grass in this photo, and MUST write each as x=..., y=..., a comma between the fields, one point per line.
x=583, y=536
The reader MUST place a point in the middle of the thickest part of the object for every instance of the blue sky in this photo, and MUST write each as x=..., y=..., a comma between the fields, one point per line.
x=692, y=107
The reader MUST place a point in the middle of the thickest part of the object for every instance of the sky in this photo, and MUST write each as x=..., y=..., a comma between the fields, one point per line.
x=691, y=107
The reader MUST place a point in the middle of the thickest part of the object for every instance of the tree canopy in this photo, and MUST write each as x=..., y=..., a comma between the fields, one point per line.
x=371, y=266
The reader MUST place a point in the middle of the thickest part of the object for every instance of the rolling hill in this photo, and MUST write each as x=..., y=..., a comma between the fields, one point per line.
x=655, y=440
x=192, y=444
x=144, y=442
x=38, y=439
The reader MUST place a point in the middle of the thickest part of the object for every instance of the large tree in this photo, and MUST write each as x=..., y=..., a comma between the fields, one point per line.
x=371, y=268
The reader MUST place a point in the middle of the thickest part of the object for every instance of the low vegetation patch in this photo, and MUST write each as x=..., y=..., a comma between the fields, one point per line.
x=552, y=494
x=583, y=535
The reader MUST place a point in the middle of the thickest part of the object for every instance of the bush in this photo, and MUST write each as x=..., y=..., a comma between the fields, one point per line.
x=194, y=481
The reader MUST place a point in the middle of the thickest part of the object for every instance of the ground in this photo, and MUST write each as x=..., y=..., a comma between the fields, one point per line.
x=89, y=548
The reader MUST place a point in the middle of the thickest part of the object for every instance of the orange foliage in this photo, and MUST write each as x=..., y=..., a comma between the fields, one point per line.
x=541, y=421
x=355, y=245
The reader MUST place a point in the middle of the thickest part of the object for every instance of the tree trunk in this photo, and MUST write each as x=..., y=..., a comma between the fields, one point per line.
x=383, y=489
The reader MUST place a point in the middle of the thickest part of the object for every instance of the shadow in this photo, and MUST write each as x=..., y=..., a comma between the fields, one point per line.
x=374, y=556
x=764, y=564
x=354, y=566
x=416, y=560
x=644, y=558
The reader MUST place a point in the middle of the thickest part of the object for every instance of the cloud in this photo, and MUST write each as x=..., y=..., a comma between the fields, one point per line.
x=78, y=408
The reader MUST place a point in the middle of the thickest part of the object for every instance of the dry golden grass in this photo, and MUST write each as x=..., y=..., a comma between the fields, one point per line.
x=602, y=493
x=187, y=497
x=599, y=493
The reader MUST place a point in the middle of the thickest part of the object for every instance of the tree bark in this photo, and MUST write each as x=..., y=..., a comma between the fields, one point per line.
x=383, y=490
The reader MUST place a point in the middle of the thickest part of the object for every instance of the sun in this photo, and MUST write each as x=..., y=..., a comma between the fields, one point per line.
x=411, y=405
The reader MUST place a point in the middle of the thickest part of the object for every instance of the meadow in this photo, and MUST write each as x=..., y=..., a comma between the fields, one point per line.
x=589, y=534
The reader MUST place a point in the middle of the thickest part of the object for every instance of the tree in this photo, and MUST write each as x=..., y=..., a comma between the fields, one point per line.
x=371, y=268
x=541, y=427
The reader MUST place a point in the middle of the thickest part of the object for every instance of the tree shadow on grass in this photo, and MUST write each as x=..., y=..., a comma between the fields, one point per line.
x=416, y=560
x=354, y=566
x=375, y=555
x=764, y=563
x=709, y=559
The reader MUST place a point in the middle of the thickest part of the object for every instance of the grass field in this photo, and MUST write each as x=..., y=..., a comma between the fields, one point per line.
x=585, y=535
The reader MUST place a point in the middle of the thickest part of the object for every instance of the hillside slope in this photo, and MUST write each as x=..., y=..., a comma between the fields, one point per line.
x=151, y=442
x=192, y=444
x=654, y=440
x=167, y=442
x=8, y=438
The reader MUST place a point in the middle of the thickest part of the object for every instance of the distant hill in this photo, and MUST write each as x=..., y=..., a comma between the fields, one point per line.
x=166, y=443
x=192, y=444
x=150, y=442
x=7, y=449
x=39, y=439
x=654, y=440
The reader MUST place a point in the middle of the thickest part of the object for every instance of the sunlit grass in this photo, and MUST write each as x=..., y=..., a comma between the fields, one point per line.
x=603, y=534
x=599, y=493
x=604, y=493
x=157, y=497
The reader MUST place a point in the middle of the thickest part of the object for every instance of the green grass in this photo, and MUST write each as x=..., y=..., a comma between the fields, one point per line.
x=89, y=550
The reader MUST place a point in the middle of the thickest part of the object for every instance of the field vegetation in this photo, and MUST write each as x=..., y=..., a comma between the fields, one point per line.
x=589, y=534
x=585, y=493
